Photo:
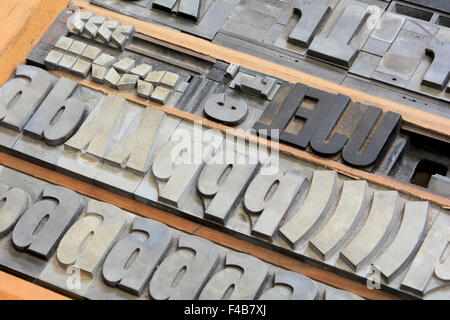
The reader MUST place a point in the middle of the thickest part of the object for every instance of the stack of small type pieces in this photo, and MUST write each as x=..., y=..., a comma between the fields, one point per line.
x=112, y=33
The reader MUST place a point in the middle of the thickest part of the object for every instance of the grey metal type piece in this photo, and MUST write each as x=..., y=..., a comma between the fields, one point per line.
x=244, y=273
x=59, y=215
x=316, y=205
x=225, y=109
x=271, y=211
x=312, y=16
x=384, y=211
x=344, y=220
x=105, y=222
x=300, y=287
x=16, y=115
x=70, y=111
x=407, y=241
x=198, y=256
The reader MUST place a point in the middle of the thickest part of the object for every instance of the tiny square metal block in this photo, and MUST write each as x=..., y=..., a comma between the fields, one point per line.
x=98, y=73
x=142, y=70
x=144, y=89
x=112, y=77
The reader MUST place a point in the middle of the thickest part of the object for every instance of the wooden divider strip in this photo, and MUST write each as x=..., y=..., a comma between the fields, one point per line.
x=383, y=181
x=188, y=226
x=412, y=116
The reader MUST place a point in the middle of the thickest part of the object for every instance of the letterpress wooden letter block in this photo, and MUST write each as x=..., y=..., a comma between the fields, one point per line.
x=244, y=273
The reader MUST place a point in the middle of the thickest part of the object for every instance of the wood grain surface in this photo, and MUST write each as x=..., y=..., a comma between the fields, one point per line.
x=413, y=117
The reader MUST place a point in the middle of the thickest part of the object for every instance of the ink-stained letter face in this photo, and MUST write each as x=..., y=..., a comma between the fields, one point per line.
x=195, y=260
x=292, y=108
x=94, y=234
x=244, y=273
x=133, y=259
x=336, y=142
x=21, y=96
x=41, y=227
x=59, y=116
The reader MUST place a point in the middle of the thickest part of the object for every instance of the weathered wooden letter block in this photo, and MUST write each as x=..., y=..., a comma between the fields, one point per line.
x=352, y=150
